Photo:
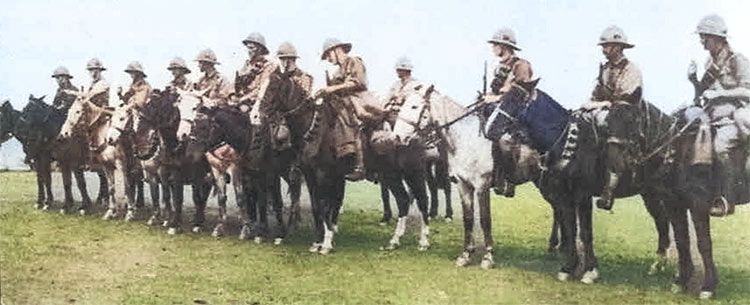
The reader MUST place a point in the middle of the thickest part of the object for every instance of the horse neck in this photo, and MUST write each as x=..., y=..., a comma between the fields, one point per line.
x=655, y=125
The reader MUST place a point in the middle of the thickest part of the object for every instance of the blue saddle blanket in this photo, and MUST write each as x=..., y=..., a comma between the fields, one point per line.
x=545, y=120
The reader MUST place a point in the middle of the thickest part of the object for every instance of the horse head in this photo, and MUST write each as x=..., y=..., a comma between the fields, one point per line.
x=203, y=134
x=188, y=104
x=121, y=123
x=76, y=119
x=8, y=120
x=414, y=115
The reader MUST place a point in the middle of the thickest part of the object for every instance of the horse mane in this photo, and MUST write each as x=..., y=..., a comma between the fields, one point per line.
x=444, y=109
x=656, y=125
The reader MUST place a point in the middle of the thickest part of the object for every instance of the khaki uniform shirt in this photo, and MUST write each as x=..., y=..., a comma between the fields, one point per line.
x=98, y=93
x=138, y=94
x=618, y=81
x=509, y=72
x=398, y=92
x=303, y=80
x=728, y=71
x=62, y=99
x=256, y=75
x=353, y=74
x=219, y=87
x=181, y=83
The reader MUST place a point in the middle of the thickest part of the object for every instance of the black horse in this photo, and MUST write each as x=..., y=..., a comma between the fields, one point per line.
x=36, y=128
x=573, y=172
x=156, y=130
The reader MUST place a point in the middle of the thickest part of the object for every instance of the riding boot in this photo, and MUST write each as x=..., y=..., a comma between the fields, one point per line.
x=606, y=200
x=729, y=192
x=358, y=170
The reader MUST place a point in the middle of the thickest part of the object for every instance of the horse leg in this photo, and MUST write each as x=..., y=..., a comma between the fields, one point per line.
x=466, y=191
x=111, y=198
x=416, y=182
x=591, y=273
x=103, y=197
x=154, y=183
x=393, y=182
x=313, y=189
x=485, y=220
x=133, y=189
x=678, y=218
x=175, y=217
x=702, y=224
x=554, y=235
x=248, y=208
x=199, y=200
x=278, y=208
x=166, y=194
x=432, y=185
x=331, y=207
x=221, y=190
x=47, y=165
x=568, y=241
x=40, y=202
x=655, y=208
x=294, y=185
x=338, y=202
x=85, y=199
x=67, y=177
x=385, y=197
x=448, y=203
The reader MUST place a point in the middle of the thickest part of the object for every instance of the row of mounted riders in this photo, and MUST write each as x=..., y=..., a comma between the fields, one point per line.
x=176, y=141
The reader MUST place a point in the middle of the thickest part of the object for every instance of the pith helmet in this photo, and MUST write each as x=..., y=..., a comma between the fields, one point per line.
x=95, y=64
x=257, y=39
x=135, y=67
x=331, y=43
x=286, y=50
x=614, y=35
x=207, y=55
x=61, y=71
x=505, y=36
x=712, y=25
x=404, y=63
x=178, y=63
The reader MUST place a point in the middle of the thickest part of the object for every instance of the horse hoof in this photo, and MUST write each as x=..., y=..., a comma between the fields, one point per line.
x=152, y=221
x=278, y=241
x=656, y=267
x=130, y=216
x=487, y=262
x=172, y=231
x=390, y=247
x=245, y=233
x=383, y=223
x=39, y=206
x=45, y=207
x=314, y=248
x=258, y=240
x=82, y=212
x=423, y=245
x=563, y=276
x=590, y=276
x=165, y=223
x=463, y=260
x=109, y=215
x=217, y=233
x=325, y=251
x=197, y=229
x=62, y=211
x=676, y=288
x=706, y=295
x=448, y=219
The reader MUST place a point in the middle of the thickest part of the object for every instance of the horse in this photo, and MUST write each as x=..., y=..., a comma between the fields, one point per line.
x=8, y=120
x=458, y=132
x=310, y=123
x=108, y=133
x=573, y=173
x=36, y=129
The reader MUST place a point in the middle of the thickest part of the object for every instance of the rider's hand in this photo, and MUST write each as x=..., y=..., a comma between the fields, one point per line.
x=692, y=70
x=710, y=94
x=491, y=98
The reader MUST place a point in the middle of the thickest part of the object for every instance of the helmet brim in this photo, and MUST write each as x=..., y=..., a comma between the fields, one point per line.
x=623, y=44
x=179, y=68
x=135, y=71
x=264, y=50
x=345, y=45
x=58, y=75
x=97, y=68
x=505, y=43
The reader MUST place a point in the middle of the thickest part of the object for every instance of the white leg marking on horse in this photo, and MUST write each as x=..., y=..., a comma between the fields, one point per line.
x=563, y=276
x=424, y=236
x=327, y=245
x=463, y=260
x=590, y=276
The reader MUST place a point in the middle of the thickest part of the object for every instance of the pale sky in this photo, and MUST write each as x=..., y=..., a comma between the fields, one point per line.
x=445, y=40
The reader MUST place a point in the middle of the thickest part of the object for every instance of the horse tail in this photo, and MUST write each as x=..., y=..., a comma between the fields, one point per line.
x=570, y=146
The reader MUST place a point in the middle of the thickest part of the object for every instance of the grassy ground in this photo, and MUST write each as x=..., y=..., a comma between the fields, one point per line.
x=47, y=258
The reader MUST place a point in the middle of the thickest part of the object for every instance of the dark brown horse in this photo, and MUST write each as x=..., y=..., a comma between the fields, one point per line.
x=36, y=129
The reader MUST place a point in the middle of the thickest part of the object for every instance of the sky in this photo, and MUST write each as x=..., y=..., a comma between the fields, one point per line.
x=446, y=40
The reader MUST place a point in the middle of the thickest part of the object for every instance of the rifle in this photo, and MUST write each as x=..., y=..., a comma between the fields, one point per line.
x=481, y=94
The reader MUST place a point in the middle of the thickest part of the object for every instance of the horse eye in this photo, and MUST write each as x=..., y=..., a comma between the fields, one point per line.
x=414, y=107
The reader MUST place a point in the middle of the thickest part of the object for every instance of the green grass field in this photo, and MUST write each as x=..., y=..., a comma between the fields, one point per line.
x=47, y=258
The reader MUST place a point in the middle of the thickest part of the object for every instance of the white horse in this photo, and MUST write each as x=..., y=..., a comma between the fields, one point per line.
x=469, y=157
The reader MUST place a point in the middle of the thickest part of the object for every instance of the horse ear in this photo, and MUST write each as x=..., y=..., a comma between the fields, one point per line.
x=42, y=98
x=31, y=97
x=428, y=92
x=530, y=85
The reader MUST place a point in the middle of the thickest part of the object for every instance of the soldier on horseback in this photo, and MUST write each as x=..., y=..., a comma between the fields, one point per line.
x=98, y=91
x=218, y=87
x=63, y=100
x=403, y=86
x=722, y=97
x=179, y=70
x=139, y=91
x=287, y=56
x=511, y=70
x=251, y=82
x=348, y=88
x=619, y=81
